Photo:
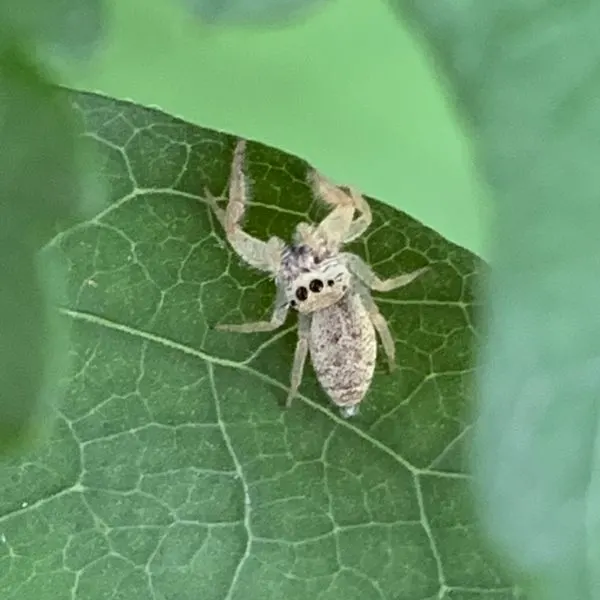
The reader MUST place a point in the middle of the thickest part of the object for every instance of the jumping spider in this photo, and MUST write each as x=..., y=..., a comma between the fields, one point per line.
x=337, y=317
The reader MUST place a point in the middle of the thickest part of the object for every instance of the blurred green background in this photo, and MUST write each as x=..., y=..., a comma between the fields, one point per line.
x=348, y=89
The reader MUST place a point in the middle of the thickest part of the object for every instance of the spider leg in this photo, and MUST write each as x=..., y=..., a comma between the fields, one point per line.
x=257, y=253
x=362, y=223
x=299, y=357
x=364, y=272
x=338, y=227
x=332, y=230
x=380, y=324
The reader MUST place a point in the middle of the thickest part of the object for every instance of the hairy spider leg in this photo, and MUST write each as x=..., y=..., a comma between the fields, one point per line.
x=265, y=256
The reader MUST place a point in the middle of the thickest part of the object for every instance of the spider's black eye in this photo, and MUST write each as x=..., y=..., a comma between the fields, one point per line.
x=292, y=303
x=316, y=285
x=302, y=293
x=330, y=282
x=316, y=260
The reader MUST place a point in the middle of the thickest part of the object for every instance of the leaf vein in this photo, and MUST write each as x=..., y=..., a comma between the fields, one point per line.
x=214, y=360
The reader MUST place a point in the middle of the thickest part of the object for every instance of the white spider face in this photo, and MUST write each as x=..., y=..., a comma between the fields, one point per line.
x=311, y=284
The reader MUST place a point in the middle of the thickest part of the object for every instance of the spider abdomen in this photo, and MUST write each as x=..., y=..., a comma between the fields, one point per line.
x=343, y=350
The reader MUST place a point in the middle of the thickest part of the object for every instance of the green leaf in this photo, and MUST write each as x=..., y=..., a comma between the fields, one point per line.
x=526, y=77
x=60, y=27
x=174, y=472
x=252, y=12
x=40, y=187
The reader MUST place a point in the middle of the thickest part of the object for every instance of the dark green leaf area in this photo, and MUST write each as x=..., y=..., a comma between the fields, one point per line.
x=174, y=471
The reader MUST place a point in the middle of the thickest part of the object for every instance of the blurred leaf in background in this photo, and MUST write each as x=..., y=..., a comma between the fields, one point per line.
x=68, y=28
x=174, y=471
x=45, y=182
x=526, y=77
x=254, y=13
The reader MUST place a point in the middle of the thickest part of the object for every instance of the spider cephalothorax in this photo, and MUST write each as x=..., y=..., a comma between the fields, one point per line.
x=309, y=282
x=329, y=288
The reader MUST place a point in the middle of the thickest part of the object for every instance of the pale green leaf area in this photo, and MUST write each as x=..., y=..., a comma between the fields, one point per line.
x=526, y=75
x=346, y=87
x=253, y=13
x=173, y=471
x=41, y=186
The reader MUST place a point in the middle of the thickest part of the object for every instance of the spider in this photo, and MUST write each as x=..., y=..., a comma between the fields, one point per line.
x=330, y=289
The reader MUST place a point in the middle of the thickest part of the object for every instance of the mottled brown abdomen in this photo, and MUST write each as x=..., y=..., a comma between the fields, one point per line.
x=343, y=349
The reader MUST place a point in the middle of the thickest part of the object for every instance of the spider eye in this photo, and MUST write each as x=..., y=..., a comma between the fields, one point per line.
x=302, y=293
x=316, y=285
x=330, y=282
x=316, y=260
